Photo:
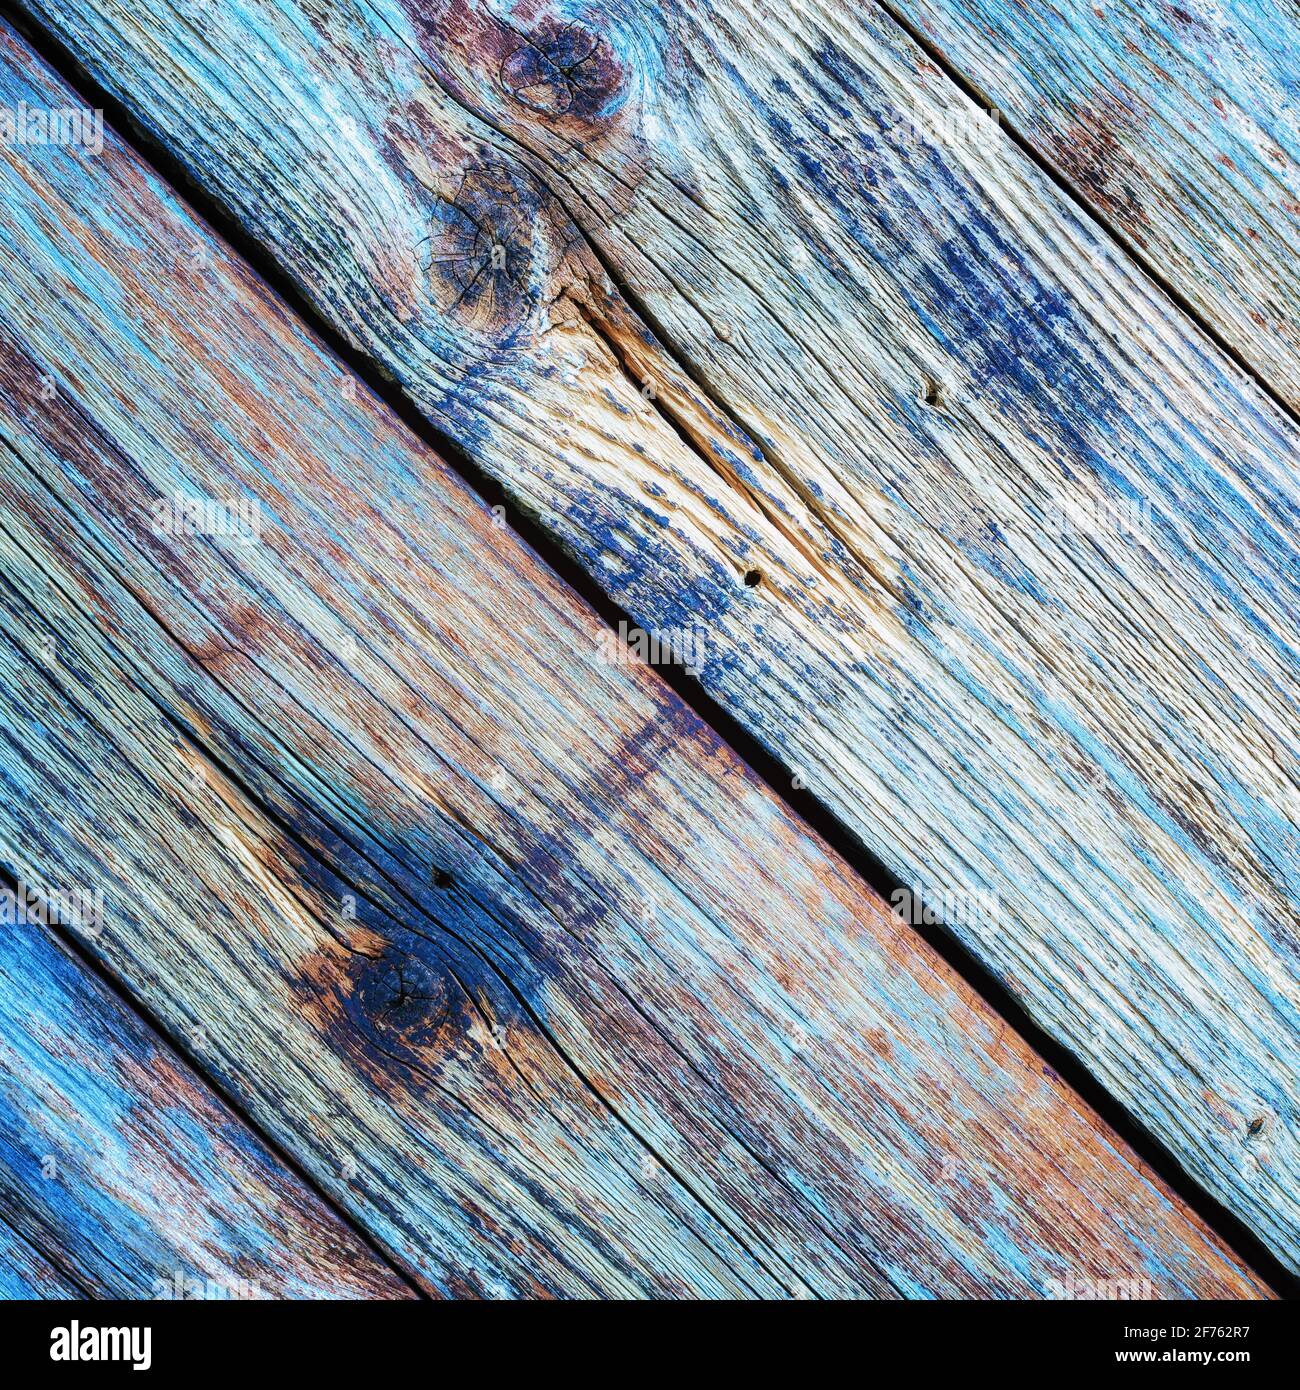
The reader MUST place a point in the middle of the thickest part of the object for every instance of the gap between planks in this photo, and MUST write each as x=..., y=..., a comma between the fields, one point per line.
x=174, y=1040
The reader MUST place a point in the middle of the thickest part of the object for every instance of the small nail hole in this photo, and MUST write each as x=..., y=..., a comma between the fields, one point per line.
x=932, y=392
x=1256, y=1126
x=442, y=879
x=753, y=578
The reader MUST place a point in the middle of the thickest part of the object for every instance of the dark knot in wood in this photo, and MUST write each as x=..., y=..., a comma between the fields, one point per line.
x=564, y=70
x=402, y=1001
x=481, y=260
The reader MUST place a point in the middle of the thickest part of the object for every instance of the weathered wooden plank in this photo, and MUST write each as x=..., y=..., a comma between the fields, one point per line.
x=521, y=963
x=1177, y=124
x=26, y=1273
x=116, y=1158
x=1025, y=616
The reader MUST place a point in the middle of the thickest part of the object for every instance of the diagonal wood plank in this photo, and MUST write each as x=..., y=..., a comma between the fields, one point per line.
x=116, y=1158
x=524, y=967
x=1178, y=124
x=978, y=533
x=27, y=1273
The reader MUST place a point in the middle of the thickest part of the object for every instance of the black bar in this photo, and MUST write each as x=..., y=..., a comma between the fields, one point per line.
x=1124, y=1339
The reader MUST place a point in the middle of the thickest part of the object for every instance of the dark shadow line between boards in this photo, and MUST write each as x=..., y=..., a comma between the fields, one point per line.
x=67, y=941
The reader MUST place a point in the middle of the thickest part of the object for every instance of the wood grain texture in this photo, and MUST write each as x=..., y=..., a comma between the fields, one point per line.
x=1177, y=124
x=522, y=965
x=119, y=1161
x=27, y=1274
x=920, y=386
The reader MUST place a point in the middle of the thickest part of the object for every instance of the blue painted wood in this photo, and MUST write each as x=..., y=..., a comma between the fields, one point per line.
x=27, y=1274
x=524, y=967
x=118, y=1160
x=1177, y=124
x=1025, y=610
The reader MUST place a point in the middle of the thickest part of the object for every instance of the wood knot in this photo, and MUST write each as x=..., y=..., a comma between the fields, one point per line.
x=401, y=1001
x=933, y=393
x=1257, y=1128
x=564, y=70
x=481, y=258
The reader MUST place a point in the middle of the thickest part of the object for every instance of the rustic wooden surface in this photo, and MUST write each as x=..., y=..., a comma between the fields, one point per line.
x=515, y=958
x=26, y=1273
x=866, y=366
x=1180, y=127
x=118, y=1163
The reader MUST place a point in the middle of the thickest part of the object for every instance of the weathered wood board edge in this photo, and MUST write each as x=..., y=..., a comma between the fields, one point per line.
x=116, y=1157
x=1174, y=126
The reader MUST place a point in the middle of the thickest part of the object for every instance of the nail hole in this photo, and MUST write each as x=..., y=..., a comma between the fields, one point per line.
x=442, y=879
x=932, y=392
x=1256, y=1126
x=753, y=578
